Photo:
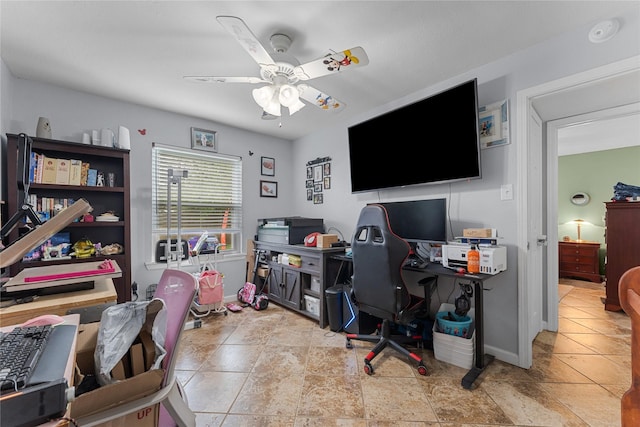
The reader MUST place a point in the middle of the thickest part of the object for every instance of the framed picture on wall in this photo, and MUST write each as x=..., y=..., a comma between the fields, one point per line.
x=202, y=139
x=267, y=166
x=317, y=173
x=268, y=189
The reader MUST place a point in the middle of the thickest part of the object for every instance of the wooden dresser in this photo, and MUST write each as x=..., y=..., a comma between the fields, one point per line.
x=579, y=259
x=623, y=246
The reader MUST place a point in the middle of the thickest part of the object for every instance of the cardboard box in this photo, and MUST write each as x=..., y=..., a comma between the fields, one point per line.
x=118, y=393
x=325, y=240
x=479, y=232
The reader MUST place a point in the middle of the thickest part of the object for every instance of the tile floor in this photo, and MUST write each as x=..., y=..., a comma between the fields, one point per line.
x=278, y=368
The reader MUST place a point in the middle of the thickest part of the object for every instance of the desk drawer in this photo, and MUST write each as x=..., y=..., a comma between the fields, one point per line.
x=578, y=267
x=577, y=251
x=310, y=263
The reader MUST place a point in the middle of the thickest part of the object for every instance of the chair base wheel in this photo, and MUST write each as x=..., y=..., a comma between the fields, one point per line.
x=368, y=369
x=422, y=370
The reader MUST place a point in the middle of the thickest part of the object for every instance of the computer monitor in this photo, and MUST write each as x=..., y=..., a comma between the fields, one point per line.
x=419, y=221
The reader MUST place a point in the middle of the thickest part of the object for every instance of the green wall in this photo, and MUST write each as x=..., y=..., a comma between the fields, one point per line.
x=595, y=174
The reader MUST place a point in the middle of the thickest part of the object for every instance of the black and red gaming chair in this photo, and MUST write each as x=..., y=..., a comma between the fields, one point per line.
x=378, y=286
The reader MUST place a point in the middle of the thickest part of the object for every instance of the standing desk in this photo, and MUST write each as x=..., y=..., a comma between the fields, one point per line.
x=434, y=269
x=103, y=292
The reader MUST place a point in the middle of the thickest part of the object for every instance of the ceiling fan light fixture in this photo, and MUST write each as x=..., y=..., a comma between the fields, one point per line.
x=263, y=95
x=267, y=98
x=288, y=95
x=297, y=106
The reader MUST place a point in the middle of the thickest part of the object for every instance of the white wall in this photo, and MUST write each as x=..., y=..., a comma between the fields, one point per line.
x=474, y=203
x=72, y=113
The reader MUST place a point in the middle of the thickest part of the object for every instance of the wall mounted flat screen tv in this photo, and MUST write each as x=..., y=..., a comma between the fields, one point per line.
x=432, y=141
x=419, y=220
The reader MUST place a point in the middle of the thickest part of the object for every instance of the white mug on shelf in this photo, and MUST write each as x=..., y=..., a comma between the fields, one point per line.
x=124, y=141
x=95, y=137
x=107, y=137
x=86, y=139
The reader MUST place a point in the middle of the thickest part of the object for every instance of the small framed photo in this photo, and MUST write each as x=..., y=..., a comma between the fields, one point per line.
x=494, y=124
x=268, y=166
x=268, y=189
x=327, y=182
x=309, y=194
x=327, y=169
x=309, y=183
x=202, y=139
x=309, y=172
x=317, y=188
x=317, y=199
x=317, y=173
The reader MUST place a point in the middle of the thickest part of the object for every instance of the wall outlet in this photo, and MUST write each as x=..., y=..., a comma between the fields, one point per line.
x=506, y=192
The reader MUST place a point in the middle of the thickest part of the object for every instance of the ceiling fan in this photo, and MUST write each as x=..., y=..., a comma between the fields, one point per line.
x=282, y=72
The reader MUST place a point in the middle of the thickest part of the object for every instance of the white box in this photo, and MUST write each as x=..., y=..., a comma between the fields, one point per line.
x=452, y=349
x=315, y=284
x=312, y=305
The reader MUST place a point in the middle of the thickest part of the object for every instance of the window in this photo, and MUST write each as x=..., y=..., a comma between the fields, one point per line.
x=210, y=196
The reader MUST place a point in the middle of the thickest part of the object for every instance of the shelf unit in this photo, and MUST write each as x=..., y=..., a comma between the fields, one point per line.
x=101, y=199
x=623, y=246
x=288, y=285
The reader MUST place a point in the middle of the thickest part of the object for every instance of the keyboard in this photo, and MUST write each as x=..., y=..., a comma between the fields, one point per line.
x=20, y=351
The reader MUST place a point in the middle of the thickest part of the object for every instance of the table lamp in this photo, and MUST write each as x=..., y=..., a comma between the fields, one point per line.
x=579, y=223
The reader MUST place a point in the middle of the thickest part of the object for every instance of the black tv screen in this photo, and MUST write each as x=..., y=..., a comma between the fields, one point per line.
x=419, y=220
x=432, y=141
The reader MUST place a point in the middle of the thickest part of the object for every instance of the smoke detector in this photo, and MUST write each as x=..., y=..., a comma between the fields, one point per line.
x=603, y=31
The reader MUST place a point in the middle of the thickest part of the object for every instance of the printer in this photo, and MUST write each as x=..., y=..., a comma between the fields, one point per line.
x=493, y=259
x=288, y=230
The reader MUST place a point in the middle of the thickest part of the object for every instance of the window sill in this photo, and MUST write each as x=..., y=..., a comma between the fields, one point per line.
x=192, y=263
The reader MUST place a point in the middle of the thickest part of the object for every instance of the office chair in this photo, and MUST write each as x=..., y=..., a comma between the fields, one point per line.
x=378, y=286
x=177, y=289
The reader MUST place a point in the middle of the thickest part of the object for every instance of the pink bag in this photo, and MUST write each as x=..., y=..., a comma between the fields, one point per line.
x=210, y=289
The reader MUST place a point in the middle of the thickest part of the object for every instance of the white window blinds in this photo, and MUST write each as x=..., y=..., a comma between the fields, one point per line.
x=211, y=195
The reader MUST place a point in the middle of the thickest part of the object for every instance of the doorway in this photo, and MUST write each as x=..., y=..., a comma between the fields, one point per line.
x=599, y=85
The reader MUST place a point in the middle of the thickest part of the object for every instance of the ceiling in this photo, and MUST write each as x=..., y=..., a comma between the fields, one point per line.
x=139, y=51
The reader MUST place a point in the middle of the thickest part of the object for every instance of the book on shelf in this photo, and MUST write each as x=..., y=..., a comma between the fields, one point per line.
x=92, y=177
x=84, y=173
x=62, y=171
x=75, y=171
x=39, y=166
x=33, y=164
x=49, y=170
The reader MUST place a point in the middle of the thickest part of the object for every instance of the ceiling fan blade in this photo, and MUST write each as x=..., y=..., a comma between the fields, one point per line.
x=238, y=29
x=332, y=63
x=319, y=99
x=212, y=79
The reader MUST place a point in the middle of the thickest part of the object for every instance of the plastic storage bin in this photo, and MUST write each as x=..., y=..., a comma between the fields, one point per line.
x=453, y=349
x=460, y=327
x=312, y=305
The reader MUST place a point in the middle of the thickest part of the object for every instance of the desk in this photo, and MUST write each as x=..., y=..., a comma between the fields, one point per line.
x=103, y=293
x=71, y=319
x=435, y=269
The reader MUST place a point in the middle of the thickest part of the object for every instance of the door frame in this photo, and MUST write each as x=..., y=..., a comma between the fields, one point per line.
x=524, y=103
